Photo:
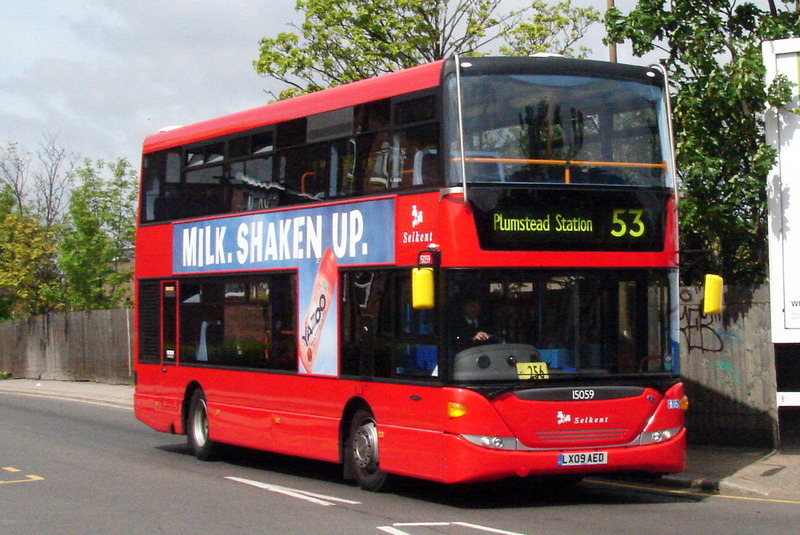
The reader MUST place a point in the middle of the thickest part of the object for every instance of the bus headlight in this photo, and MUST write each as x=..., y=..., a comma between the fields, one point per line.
x=493, y=443
x=654, y=437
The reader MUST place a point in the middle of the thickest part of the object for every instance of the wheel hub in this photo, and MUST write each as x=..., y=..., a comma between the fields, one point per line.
x=365, y=446
x=200, y=424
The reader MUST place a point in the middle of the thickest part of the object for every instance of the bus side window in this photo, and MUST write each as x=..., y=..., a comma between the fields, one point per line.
x=304, y=173
x=161, y=183
x=203, y=193
x=252, y=185
x=364, y=306
x=282, y=340
x=366, y=165
x=153, y=167
x=418, y=156
x=201, y=321
x=241, y=322
x=379, y=175
x=415, y=349
x=382, y=335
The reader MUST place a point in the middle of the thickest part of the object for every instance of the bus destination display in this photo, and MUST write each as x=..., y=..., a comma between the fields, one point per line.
x=567, y=221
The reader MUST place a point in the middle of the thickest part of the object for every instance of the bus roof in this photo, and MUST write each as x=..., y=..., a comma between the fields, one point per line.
x=396, y=83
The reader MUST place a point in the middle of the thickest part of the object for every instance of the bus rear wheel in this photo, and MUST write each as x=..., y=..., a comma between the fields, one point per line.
x=197, y=428
x=363, y=451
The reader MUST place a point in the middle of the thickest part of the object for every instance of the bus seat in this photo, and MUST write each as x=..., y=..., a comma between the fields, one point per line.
x=426, y=163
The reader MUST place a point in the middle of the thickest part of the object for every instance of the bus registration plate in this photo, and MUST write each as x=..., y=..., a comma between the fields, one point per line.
x=582, y=459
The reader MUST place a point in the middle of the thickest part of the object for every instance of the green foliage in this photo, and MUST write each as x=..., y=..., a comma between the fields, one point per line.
x=99, y=239
x=15, y=162
x=51, y=262
x=551, y=29
x=343, y=41
x=713, y=53
x=29, y=279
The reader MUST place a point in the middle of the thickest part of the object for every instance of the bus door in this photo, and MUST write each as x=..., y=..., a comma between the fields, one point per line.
x=171, y=396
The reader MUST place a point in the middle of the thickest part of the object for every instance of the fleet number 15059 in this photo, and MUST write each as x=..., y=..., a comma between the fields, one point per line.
x=582, y=394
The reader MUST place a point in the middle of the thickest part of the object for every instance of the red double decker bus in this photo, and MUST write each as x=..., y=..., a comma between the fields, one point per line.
x=460, y=272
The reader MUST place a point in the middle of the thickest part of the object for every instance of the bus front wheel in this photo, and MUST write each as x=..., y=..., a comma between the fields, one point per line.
x=197, y=427
x=363, y=451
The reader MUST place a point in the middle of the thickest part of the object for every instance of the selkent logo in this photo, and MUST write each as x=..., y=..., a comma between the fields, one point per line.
x=417, y=217
x=417, y=236
x=591, y=420
x=562, y=418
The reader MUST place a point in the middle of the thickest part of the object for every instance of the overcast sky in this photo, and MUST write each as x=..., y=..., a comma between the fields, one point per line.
x=103, y=74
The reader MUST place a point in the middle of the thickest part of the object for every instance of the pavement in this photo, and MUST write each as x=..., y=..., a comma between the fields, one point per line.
x=729, y=471
x=120, y=396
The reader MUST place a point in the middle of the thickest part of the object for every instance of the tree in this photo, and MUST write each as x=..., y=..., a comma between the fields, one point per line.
x=553, y=30
x=52, y=179
x=51, y=262
x=32, y=191
x=98, y=243
x=713, y=55
x=343, y=41
x=6, y=292
x=29, y=279
x=51, y=171
x=15, y=164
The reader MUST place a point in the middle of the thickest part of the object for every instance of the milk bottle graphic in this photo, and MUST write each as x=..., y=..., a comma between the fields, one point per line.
x=322, y=296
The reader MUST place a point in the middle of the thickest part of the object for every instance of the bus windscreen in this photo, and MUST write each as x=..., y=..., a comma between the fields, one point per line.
x=557, y=129
x=566, y=323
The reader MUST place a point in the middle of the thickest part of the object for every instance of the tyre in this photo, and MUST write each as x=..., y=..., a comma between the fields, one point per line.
x=197, y=428
x=363, y=451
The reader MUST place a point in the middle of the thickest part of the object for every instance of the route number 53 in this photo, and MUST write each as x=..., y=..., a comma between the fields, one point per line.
x=627, y=222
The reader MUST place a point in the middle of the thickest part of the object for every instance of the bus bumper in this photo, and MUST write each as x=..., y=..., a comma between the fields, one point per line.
x=466, y=462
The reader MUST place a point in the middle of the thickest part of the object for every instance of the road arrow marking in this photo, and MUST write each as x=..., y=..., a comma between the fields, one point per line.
x=12, y=470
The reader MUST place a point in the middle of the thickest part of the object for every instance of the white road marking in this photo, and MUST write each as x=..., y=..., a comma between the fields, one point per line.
x=394, y=531
x=391, y=530
x=319, y=499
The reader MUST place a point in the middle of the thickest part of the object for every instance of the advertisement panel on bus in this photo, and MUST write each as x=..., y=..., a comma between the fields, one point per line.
x=312, y=240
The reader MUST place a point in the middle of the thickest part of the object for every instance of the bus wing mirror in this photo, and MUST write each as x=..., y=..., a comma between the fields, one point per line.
x=712, y=295
x=422, y=294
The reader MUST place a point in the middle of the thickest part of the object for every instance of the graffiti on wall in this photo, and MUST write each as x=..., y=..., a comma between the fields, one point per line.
x=698, y=330
x=704, y=333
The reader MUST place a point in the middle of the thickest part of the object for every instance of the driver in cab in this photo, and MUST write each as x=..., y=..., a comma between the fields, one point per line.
x=467, y=326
